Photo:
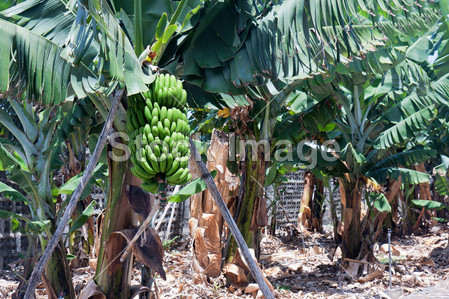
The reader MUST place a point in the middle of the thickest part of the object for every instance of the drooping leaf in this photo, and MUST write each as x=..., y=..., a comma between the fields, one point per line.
x=140, y=201
x=38, y=226
x=408, y=176
x=404, y=158
x=380, y=202
x=12, y=193
x=442, y=220
x=442, y=184
x=68, y=53
x=429, y=204
x=148, y=249
x=71, y=185
x=279, y=44
x=271, y=174
x=11, y=215
x=406, y=129
x=82, y=219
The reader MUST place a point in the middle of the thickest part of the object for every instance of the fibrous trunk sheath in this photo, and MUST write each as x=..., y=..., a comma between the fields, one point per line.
x=112, y=276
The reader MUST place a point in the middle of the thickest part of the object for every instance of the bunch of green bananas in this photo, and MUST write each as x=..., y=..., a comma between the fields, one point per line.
x=159, y=134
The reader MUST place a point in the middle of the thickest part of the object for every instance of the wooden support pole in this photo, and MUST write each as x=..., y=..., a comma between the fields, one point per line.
x=252, y=264
x=37, y=272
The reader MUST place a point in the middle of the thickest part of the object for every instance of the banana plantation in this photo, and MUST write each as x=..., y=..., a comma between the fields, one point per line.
x=215, y=105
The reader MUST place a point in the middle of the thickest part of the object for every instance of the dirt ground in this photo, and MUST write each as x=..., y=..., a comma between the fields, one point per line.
x=305, y=266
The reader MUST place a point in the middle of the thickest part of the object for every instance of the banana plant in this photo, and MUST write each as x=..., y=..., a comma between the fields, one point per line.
x=78, y=130
x=30, y=160
x=97, y=56
x=271, y=61
x=42, y=129
x=442, y=187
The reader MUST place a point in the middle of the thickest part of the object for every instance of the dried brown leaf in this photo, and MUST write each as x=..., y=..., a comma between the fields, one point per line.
x=373, y=275
x=261, y=212
x=235, y=274
x=140, y=201
x=91, y=291
x=394, y=251
x=273, y=271
x=148, y=249
x=252, y=287
x=214, y=267
x=137, y=290
x=200, y=248
x=211, y=233
x=428, y=262
x=295, y=267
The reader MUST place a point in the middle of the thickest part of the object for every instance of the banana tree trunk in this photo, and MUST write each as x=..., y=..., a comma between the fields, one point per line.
x=206, y=223
x=393, y=190
x=112, y=276
x=79, y=245
x=253, y=213
x=351, y=198
x=317, y=207
x=305, y=211
x=423, y=193
x=410, y=217
x=28, y=266
x=58, y=274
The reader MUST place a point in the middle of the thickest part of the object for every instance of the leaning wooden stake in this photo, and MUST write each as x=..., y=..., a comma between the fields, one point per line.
x=252, y=265
x=37, y=272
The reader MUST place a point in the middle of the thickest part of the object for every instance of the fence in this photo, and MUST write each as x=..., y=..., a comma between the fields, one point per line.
x=289, y=201
x=11, y=244
x=287, y=208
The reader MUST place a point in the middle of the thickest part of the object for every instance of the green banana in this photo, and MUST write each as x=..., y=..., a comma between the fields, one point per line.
x=140, y=117
x=153, y=160
x=169, y=162
x=160, y=129
x=135, y=121
x=150, y=137
x=183, y=97
x=184, y=174
x=147, y=113
x=175, y=177
x=170, y=115
x=173, y=127
x=150, y=186
x=156, y=150
x=187, y=179
x=154, y=121
x=166, y=132
x=179, y=89
x=149, y=104
x=163, y=114
x=157, y=106
x=139, y=172
x=163, y=163
x=174, y=167
x=184, y=162
x=179, y=126
x=154, y=131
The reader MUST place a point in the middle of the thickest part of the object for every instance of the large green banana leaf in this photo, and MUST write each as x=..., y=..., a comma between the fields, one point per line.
x=53, y=49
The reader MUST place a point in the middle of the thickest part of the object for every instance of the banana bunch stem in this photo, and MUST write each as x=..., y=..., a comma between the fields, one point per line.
x=162, y=194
